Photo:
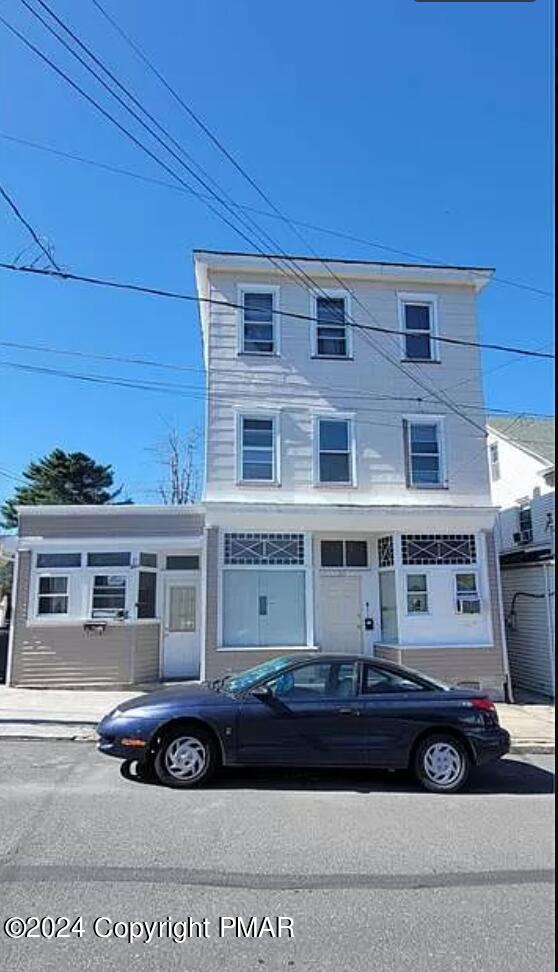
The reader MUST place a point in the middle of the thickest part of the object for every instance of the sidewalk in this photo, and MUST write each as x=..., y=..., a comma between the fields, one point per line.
x=74, y=713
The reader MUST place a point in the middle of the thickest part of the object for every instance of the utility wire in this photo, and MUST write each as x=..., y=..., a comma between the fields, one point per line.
x=327, y=230
x=225, y=375
x=28, y=227
x=227, y=305
x=406, y=371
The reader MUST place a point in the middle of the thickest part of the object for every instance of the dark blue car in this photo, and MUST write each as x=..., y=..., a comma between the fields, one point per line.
x=331, y=710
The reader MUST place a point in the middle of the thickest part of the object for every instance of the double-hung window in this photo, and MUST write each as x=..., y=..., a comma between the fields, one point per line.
x=258, y=323
x=53, y=594
x=332, y=338
x=109, y=596
x=494, y=456
x=257, y=458
x=424, y=453
x=467, y=593
x=335, y=451
x=417, y=316
x=417, y=594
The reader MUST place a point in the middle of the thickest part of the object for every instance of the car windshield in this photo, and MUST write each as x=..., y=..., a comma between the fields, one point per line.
x=245, y=680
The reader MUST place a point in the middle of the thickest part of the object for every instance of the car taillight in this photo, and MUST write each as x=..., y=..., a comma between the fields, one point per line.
x=486, y=705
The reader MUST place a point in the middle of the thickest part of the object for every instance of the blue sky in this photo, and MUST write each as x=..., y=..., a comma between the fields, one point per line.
x=422, y=126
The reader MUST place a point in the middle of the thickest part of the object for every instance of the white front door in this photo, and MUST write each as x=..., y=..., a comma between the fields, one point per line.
x=181, y=637
x=340, y=613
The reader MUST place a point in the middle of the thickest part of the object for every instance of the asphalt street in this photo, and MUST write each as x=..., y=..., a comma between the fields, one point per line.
x=373, y=873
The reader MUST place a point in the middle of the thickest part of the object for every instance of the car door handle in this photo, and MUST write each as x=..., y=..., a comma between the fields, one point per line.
x=349, y=712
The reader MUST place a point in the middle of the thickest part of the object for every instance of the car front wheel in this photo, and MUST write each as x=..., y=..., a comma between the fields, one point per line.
x=442, y=764
x=186, y=757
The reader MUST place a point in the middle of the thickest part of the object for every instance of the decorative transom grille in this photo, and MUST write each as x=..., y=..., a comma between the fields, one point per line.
x=385, y=552
x=264, y=548
x=433, y=548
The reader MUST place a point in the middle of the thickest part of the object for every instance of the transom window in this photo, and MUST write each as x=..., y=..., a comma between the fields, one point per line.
x=437, y=549
x=331, y=327
x=109, y=596
x=385, y=552
x=57, y=560
x=424, y=453
x=182, y=562
x=53, y=595
x=418, y=327
x=258, y=325
x=344, y=553
x=334, y=451
x=264, y=548
x=115, y=558
x=257, y=449
x=417, y=594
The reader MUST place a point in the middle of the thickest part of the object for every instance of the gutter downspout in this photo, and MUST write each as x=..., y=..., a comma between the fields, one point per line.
x=13, y=618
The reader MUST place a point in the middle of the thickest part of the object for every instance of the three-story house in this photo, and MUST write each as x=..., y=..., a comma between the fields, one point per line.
x=347, y=494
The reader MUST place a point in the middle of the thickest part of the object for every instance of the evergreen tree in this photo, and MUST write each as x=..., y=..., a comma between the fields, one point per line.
x=61, y=477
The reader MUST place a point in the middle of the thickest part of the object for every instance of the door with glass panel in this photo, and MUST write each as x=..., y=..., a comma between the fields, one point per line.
x=181, y=639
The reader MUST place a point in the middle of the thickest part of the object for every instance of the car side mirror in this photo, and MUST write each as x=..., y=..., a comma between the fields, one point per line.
x=262, y=692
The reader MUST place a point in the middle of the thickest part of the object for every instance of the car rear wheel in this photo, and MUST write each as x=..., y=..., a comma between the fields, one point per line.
x=187, y=757
x=442, y=764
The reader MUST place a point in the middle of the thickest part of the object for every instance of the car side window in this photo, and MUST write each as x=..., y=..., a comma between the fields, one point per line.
x=323, y=680
x=379, y=680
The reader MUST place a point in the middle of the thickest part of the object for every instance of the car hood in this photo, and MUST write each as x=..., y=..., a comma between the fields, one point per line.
x=171, y=696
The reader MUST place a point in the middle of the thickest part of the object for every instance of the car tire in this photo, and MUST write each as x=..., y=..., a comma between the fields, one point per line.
x=186, y=758
x=442, y=763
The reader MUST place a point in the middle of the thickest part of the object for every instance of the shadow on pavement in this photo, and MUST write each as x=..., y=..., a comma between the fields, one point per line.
x=506, y=776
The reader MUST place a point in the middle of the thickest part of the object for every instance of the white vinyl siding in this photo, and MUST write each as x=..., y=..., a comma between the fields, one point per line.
x=264, y=608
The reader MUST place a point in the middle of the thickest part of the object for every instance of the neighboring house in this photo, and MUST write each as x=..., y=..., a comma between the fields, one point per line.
x=521, y=459
x=346, y=506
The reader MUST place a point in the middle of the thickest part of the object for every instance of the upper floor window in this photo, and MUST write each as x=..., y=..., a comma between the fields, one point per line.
x=257, y=459
x=258, y=323
x=526, y=524
x=332, y=338
x=494, y=461
x=335, y=451
x=417, y=317
x=424, y=453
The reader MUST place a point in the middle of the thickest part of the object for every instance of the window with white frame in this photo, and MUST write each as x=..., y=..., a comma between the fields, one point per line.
x=494, y=456
x=526, y=523
x=423, y=442
x=108, y=596
x=335, y=451
x=344, y=553
x=52, y=594
x=331, y=329
x=467, y=596
x=417, y=594
x=257, y=449
x=258, y=323
x=418, y=325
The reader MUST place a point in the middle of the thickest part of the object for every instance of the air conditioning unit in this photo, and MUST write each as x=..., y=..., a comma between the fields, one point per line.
x=468, y=604
x=523, y=536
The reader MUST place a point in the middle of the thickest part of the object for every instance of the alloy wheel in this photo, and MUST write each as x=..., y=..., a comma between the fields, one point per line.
x=443, y=764
x=185, y=758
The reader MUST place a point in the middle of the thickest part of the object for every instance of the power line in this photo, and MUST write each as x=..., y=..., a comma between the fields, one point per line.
x=405, y=371
x=36, y=238
x=176, y=295
x=232, y=374
x=327, y=230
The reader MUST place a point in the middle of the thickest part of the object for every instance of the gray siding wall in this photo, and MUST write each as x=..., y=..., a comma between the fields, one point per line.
x=530, y=642
x=64, y=655
x=114, y=524
x=457, y=666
